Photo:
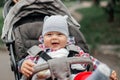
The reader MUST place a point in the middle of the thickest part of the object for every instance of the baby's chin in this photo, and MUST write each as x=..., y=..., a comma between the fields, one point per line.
x=56, y=48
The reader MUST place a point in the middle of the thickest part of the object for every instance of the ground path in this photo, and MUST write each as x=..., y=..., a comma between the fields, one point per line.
x=5, y=70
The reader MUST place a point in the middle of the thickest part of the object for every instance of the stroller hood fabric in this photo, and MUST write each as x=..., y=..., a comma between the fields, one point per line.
x=26, y=7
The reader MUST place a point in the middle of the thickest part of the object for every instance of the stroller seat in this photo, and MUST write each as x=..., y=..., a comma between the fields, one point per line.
x=27, y=35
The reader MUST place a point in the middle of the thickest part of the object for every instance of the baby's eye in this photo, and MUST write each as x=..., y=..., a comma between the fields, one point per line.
x=49, y=34
x=60, y=34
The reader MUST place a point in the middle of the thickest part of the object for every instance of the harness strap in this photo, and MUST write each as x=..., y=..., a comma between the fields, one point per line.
x=36, y=50
x=45, y=56
x=72, y=50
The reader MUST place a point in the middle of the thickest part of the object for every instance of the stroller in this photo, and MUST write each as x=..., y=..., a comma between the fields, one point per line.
x=23, y=26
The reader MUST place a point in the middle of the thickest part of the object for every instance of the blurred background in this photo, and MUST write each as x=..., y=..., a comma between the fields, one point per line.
x=100, y=25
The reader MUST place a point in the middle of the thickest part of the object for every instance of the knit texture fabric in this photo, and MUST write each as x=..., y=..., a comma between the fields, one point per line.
x=55, y=23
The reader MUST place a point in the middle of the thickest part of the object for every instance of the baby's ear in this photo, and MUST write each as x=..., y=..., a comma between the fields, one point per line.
x=45, y=18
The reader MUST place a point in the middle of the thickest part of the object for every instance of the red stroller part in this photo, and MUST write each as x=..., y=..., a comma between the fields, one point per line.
x=82, y=75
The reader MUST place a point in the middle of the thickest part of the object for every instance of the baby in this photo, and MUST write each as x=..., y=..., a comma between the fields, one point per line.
x=55, y=37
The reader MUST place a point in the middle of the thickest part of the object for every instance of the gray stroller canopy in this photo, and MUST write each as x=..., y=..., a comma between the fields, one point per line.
x=26, y=7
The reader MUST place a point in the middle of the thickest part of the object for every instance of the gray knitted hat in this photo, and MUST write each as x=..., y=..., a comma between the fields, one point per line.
x=55, y=23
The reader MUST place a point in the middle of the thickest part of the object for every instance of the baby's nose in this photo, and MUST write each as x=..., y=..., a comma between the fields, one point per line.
x=55, y=36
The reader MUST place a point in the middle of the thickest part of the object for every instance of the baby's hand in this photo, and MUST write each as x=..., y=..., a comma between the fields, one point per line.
x=44, y=74
x=113, y=76
x=27, y=68
x=15, y=1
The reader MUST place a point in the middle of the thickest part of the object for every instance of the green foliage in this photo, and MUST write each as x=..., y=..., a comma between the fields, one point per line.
x=1, y=24
x=2, y=2
x=96, y=28
x=69, y=3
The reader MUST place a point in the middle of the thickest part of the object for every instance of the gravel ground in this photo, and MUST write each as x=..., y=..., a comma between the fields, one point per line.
x=5, y=70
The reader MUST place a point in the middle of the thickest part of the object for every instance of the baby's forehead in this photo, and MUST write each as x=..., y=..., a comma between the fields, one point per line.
x=54, y=32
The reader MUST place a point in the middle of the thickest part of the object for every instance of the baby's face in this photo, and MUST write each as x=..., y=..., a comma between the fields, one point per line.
x=55, y=40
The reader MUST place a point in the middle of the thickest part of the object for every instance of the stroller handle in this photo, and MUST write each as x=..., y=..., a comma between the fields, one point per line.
x=41, y=67
x=69, y=60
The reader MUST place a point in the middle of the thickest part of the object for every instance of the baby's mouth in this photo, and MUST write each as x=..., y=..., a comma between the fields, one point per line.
x=55, y=43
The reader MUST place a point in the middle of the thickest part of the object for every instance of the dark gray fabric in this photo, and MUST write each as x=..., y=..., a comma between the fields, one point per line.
x=26, y=35
x=79, y=38
x=59, y=68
